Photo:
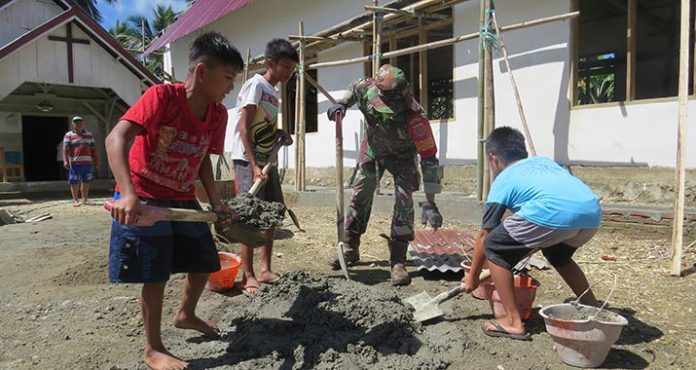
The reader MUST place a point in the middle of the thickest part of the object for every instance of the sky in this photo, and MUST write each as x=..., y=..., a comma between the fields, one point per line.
x=122, y=9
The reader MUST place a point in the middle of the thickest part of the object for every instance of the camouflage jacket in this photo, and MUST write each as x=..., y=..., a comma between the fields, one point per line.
x=387, y=129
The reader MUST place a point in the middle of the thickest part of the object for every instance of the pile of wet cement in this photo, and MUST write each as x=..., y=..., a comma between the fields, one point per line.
x=255, y=212
x=311, y=322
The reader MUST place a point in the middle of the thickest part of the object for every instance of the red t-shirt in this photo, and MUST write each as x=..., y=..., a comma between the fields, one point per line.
x=164, y=160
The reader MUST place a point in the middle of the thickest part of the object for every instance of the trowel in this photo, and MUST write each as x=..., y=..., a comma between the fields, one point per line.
x=428, y=308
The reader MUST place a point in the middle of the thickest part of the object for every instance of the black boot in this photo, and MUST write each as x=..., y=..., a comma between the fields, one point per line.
x=397, y=261
x=351, y=251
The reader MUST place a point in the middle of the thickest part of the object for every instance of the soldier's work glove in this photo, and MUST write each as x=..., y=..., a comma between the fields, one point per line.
x=338, y=107
x=430, y=215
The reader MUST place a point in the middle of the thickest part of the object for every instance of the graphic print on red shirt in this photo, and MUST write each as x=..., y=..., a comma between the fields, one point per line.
x=165, y=159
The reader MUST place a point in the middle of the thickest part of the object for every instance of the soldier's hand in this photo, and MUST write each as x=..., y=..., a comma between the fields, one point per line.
x=430, y=215
x=338, y=107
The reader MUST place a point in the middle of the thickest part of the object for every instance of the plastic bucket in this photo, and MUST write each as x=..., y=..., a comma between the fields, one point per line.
x=224, y=278
x=480, y=291
x=580, y=339
x=525, y=293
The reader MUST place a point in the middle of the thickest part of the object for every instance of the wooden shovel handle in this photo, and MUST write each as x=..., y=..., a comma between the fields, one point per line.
x=267, y=168
x=150, y=214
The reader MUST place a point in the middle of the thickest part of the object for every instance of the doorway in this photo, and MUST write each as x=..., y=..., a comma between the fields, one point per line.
x=40, y=139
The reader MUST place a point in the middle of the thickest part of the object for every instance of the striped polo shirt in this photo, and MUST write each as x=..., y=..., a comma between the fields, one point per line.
x=80, y=147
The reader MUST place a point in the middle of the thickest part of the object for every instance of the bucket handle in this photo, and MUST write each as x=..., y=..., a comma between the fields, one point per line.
x=606, y=300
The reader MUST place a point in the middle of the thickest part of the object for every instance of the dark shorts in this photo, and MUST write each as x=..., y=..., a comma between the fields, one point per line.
x=508, y=243
x=150, y=254
x=80, y=173
x=244, y=179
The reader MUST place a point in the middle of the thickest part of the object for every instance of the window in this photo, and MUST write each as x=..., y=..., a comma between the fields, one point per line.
x=627, y=49
x=429, y=72
x=311, y=107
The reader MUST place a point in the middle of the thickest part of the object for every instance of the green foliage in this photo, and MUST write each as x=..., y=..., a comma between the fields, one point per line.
x=90, y=7
x=600, y=89
x=138, y=32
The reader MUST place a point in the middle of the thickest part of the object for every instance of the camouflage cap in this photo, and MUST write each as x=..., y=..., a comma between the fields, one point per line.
x=391, y=78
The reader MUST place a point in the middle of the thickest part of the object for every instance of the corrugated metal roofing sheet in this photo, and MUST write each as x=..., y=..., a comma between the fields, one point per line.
x=441, y=250
x=201, y=13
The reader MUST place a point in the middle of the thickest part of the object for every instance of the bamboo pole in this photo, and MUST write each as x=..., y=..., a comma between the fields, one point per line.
x=631, y=35
x=488, y=102
x=480, y=158
x=680, y=174
x=321, y=89
x=445, y=42
x=300, y=123
x=409, y=13
x=246, y=65
x=520, y=108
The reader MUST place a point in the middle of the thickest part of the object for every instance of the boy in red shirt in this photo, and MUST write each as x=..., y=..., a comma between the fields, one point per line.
x=173, y=128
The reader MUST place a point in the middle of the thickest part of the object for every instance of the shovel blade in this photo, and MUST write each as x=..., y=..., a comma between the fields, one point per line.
x=418, y=300
x=342, y=260
x=427, y=312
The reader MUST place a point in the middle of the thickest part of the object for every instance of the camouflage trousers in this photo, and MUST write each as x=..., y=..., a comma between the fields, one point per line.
x=406, y=181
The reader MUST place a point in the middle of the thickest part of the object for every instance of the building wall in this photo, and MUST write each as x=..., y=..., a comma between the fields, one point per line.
x=641, y=133
x=45, y=61
x=23, y=16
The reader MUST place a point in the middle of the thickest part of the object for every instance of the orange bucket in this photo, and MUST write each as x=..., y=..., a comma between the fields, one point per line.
x=224, y=278
x=525, y=293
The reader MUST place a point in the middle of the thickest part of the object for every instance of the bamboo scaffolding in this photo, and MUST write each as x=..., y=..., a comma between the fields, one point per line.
x=300, y=114
x=518, y=99
x=488, y=101
x=680, y=174
x=246, y=65
x=481, y=158
x=445, y=42
x=410, y=13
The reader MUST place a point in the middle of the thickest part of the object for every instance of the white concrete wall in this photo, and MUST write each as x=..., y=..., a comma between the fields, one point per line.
x=636, y=134
x=23, y=16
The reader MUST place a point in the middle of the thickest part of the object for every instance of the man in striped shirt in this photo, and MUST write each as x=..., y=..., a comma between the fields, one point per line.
x=79, y=154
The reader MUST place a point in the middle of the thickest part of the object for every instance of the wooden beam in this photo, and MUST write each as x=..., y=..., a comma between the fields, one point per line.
x=321, y=89
x=631, y=34
x=680, y=172
x=515, y=90
x=445, y=42
x=574, y=57
x=411, y=13
x=300, y=108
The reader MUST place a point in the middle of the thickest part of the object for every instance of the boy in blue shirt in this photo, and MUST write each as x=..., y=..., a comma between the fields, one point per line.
x=552, y=211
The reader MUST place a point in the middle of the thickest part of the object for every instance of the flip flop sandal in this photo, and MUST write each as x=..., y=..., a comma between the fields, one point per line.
x=500, y=332
x=249, y=293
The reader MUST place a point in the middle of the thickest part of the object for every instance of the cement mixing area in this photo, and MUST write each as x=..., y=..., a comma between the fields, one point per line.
x=59, y=312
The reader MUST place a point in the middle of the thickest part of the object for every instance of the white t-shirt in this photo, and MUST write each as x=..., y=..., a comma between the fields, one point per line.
x=259, y=92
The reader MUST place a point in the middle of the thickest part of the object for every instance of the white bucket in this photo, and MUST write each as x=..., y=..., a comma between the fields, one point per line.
x=583, y=336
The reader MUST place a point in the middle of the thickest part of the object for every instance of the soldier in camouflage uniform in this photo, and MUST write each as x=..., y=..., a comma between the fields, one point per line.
x=397, y=130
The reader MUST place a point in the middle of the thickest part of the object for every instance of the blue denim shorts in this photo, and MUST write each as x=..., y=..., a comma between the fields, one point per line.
x=150, y=254
x=80, y=173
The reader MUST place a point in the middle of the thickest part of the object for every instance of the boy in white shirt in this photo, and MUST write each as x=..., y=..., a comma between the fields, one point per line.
x=254, y=137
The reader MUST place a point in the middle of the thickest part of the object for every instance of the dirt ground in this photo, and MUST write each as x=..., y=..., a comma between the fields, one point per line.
x=57, y=310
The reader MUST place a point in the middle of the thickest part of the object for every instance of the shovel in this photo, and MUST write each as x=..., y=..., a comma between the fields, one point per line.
x=237, y=231
x=265, y=170
x=340, y=219
x=427, y=308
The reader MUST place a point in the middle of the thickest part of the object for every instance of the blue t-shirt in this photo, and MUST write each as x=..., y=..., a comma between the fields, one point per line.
x=546, y=194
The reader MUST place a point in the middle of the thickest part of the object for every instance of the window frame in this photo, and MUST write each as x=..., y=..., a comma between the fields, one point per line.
x=631, y=47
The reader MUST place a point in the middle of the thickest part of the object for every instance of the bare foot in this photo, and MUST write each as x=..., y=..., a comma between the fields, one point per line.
x=490, y=327
x=163, y=360
x=76, y=203
x=183, y=321
x=268, y=277
x=250, y=286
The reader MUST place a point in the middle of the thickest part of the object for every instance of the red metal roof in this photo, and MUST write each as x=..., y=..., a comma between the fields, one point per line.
x=201, y=13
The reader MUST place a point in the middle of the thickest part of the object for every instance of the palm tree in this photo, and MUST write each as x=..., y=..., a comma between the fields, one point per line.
x=138, y=32
x=90, y=6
